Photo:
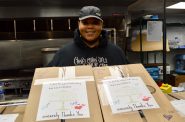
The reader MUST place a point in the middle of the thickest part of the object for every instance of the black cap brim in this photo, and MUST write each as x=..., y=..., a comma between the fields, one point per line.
x=91, y=16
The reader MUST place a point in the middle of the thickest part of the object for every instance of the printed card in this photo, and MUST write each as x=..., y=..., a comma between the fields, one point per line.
x=128, y=94
x=63, y=100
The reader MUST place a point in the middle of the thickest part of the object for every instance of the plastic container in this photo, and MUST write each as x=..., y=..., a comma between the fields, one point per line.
x=180, y=64
x=154, y=72
x=2, y=95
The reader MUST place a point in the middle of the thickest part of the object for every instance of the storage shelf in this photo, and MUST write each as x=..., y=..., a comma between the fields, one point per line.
x=175, y=24
x=176, y=49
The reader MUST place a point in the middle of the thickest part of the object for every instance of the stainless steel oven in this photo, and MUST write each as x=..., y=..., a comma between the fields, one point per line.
x=16, y=84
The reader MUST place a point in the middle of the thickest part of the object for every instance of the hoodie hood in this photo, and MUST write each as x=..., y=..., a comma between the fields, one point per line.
x=79, y=40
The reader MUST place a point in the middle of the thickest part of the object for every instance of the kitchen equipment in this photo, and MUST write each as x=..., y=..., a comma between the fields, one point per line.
x=48, y=54
x=15, y=88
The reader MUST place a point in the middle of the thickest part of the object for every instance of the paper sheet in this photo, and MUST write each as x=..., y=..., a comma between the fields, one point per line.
x=118, y=71
x=154, y=30
x=115, y=71
x=8, y=117
x=176, y=37
x=63, y=100
x=102, y=95
x=178, y=89
x=179, y=105
x=128, y=94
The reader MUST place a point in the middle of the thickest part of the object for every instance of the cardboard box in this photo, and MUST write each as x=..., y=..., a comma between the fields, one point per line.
x=14, y=110
x=147, y=45
x=13, y=107
x=170, y=98
x=179, y=79
x=53, y=72
x=2, y=108
x=175, y=79
x=178, y=95
x=165, y=113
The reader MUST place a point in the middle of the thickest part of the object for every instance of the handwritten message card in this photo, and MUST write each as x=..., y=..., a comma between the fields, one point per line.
x=63, y=100
x=128, y=94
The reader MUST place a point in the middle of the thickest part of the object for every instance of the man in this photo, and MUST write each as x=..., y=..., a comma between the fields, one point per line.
x=91, y=45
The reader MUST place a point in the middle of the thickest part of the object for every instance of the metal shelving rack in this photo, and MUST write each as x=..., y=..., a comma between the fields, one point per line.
x=164, y=40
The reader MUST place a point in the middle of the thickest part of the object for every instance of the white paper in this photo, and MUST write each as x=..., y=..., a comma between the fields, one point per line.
x=134, y=35
x=102, y=95
x=115, y=72
x=8, y=117
x=118, y=72
x=176, y=37
x=63, y=100
x=154, y=30
x=128, y=94
x=179, y=105
x=177, y=89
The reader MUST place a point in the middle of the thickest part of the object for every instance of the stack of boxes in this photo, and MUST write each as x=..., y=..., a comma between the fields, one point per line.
x=99, y=106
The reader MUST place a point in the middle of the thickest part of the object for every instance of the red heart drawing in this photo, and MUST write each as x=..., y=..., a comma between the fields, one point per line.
x=145, y=98
x=78, y=107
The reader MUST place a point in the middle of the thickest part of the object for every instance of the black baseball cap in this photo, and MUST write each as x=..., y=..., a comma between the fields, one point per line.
x=90, y=11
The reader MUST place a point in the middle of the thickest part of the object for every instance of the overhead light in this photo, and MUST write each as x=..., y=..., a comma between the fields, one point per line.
x=180, y=5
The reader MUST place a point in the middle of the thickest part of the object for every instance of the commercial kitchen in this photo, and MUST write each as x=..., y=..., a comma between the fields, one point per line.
x=150, y=88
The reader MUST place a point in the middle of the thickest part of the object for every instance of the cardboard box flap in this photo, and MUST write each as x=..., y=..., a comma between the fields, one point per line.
x=15, y=109
x=43, y=73
x=2, y=108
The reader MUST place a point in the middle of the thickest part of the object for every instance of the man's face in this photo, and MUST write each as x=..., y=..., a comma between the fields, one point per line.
x=90, y=28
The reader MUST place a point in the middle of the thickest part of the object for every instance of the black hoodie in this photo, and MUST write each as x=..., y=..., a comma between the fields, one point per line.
x=78, y=53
